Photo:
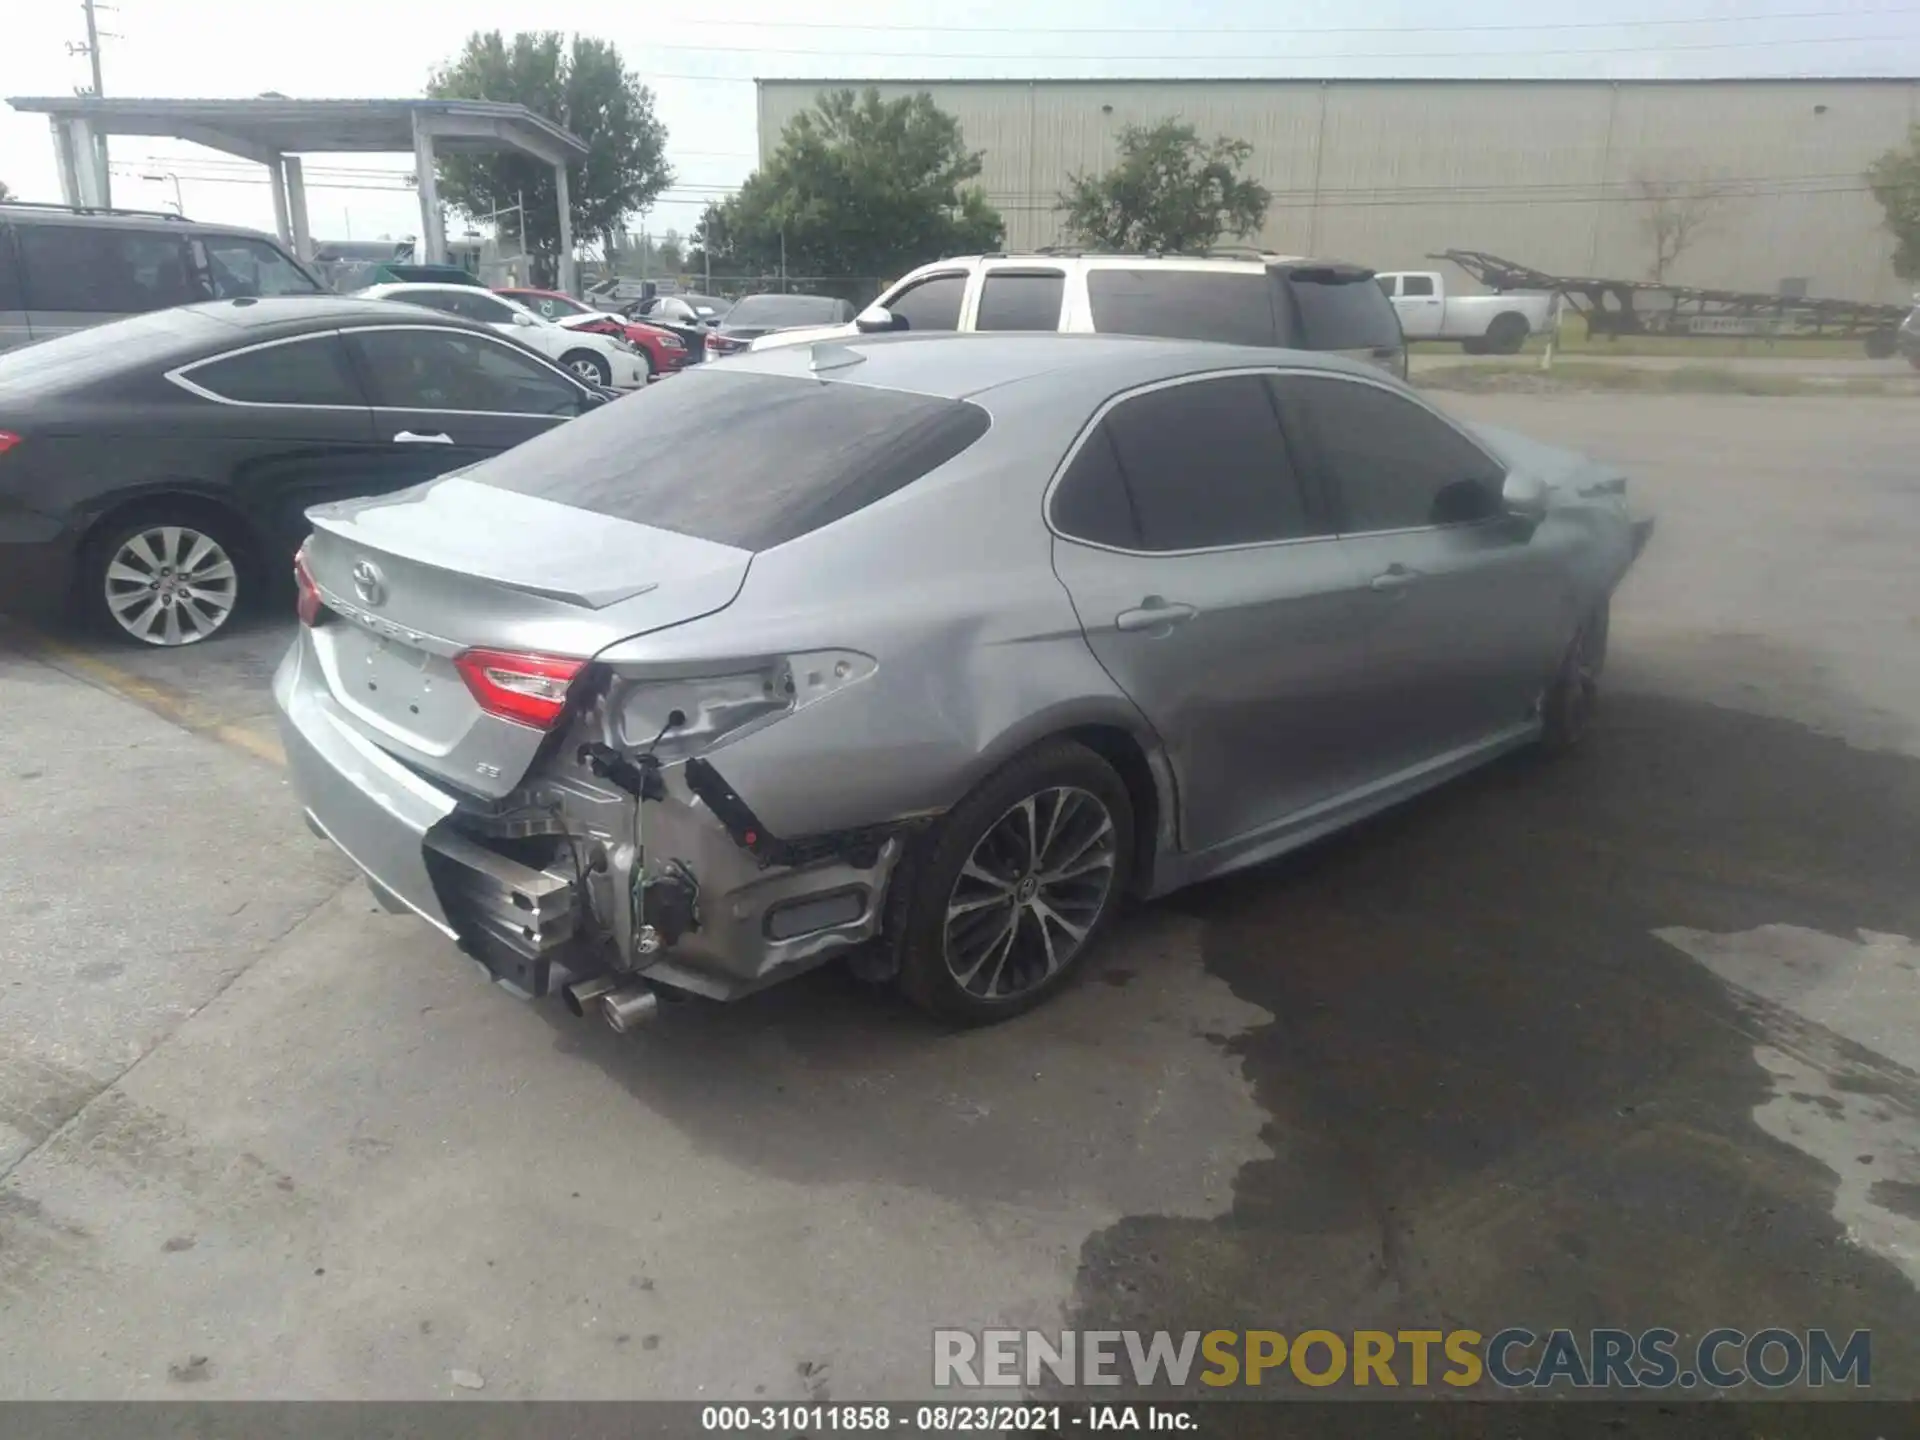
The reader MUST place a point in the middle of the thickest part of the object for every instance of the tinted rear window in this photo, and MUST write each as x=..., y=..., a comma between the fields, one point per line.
x=1021, y=300
x=1342, y=310
x=785, y=310
x=745, y=460
x=1230, y=307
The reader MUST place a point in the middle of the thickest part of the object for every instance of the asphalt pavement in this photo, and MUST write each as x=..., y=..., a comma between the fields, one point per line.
x=1620, y=1039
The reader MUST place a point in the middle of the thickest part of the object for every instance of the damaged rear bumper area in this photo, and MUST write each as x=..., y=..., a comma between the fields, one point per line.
x=576, y=884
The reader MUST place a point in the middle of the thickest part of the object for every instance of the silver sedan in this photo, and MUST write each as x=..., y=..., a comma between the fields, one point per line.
x=927, y=652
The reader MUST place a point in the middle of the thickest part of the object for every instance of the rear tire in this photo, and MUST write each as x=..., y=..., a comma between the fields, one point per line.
x=167, y=575
x=1567, y=710
x=1006, y=894
x=1508, y=333
x=588, y=366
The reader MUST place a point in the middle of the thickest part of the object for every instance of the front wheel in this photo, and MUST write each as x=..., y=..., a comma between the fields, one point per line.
x=1015, y=885
x=589, y=367
x=1566, y=711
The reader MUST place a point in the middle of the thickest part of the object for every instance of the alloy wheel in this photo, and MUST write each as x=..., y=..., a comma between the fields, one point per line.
x=1032, y=888
x=171, y=585
x=587, y=368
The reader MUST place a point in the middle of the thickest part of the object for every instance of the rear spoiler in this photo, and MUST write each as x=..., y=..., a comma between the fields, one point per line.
x=1325, y=274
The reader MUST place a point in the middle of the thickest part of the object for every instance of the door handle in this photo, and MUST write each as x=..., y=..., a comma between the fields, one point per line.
x=1394, y=577
x=1154, y=613
x=407, y=437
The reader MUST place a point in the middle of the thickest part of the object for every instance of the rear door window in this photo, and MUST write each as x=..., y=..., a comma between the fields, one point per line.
x=1230, y=307
x=102, y=270
x=746, y=460
x=931, y=304
x=429, y=369
x=1020, y=300
x=1194, y=466
x=10, y=297
x=313, y=371
x=1339, y=308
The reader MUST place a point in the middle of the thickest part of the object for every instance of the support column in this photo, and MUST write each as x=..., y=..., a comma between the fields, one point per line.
x=569, y=280
x=297, y=208
x=433, y=241
x=63, y=160
x=277, y=173
x=83, y=149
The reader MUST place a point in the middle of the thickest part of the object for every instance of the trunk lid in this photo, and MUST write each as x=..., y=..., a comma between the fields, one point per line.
x=413, y=580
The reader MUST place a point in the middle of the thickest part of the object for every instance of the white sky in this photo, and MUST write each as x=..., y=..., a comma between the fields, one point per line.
x=701, y=70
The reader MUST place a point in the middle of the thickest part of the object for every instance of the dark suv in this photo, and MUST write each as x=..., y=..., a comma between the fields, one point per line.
x=63, y=268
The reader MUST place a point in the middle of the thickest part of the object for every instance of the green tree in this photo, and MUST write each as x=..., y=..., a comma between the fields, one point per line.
x=1895, y=180
x=667, y=251
x=858, y=190
x=6, y=193
x=1167, y=192
x=582, y=86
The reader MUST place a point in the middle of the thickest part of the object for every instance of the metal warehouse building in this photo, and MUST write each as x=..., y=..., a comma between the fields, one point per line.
x=1551, y=173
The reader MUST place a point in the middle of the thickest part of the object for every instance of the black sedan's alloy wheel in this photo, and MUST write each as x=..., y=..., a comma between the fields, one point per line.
x=1015, y=885
x=166, y=583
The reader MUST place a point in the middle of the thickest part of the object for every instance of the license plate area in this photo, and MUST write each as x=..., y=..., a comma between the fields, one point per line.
x=407, y=692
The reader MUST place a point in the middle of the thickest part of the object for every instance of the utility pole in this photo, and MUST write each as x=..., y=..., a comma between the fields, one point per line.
x=92, y=51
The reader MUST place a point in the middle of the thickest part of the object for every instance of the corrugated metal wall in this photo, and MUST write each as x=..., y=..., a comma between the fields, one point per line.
x=1544, y=172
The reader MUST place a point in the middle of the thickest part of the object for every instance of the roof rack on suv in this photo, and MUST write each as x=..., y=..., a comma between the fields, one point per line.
x=88, y=209
x=1239, y=252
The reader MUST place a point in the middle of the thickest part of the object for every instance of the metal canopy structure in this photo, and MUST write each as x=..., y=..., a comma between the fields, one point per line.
x=274, y=132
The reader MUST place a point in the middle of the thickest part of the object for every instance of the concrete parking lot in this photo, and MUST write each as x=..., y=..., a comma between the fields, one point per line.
x=1630, y=1038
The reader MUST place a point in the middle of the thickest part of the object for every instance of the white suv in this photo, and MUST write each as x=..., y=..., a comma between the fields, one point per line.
x=1258, y=299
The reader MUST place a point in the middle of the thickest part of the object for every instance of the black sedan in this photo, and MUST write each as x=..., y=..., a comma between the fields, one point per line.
x=155, y=472
x=758, y=315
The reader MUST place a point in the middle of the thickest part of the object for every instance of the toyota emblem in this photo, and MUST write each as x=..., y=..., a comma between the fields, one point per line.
x=368, y=583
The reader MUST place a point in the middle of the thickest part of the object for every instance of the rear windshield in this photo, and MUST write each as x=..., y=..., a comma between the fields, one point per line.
x=784, y=310
x=1342, y=309
x=745, y=460
x=1231, y=307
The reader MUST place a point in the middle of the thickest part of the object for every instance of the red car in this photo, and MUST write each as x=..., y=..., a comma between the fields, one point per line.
x=664, y=351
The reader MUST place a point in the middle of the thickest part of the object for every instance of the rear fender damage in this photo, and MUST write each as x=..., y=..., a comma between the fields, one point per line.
x=675, y=880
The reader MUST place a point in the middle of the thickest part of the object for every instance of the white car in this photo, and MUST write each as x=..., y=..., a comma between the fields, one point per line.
x=601, y=359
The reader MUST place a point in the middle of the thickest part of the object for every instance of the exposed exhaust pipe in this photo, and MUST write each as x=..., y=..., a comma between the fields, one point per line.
x=628, y=1007
x=583, y=993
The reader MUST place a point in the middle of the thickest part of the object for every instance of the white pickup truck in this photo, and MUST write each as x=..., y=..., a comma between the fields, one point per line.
x=1483, y=324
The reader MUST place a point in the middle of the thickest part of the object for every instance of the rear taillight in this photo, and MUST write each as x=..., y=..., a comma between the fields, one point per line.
x=7, y=441
x=713, y=343
x=308, y=602
x=526, y=689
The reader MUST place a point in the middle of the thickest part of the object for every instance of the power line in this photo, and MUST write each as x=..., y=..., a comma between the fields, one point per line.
x=1295, y=30
x=1242, y=57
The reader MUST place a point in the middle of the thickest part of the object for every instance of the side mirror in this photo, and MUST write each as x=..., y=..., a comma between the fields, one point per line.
x=520, y=317
x=1524, y=499
x=878, y=320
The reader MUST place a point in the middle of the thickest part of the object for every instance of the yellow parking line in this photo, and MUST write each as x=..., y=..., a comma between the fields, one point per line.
x=162, y=700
